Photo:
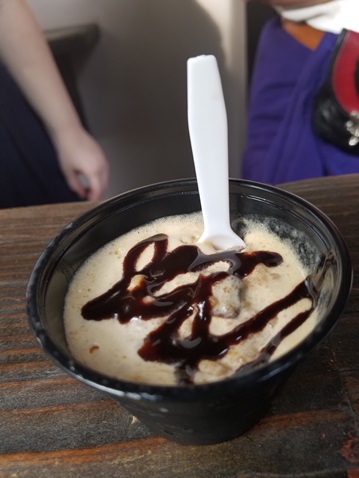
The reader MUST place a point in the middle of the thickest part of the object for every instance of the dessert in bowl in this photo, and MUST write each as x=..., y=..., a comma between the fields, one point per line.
x=197, y=360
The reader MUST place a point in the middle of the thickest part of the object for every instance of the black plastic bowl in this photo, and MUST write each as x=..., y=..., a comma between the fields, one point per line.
x=196, y=414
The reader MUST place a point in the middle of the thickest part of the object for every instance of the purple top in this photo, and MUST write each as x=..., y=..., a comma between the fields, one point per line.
x=281, y=145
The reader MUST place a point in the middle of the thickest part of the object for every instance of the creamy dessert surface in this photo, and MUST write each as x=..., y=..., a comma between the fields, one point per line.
x=111, y=347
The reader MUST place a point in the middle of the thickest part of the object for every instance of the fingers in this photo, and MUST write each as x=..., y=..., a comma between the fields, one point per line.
x=90, y=185
x=76, y=184
x=95, y=186
x=84, y=164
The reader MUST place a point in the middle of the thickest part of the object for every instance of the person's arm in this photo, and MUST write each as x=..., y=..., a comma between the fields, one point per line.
x=25, y=52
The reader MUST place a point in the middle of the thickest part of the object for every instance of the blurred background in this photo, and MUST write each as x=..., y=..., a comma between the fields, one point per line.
x=124, y=63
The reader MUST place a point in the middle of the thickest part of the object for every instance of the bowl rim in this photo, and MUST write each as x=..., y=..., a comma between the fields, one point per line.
x=121, y=388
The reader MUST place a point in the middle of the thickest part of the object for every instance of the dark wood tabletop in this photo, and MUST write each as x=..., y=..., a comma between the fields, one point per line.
x=53, y=426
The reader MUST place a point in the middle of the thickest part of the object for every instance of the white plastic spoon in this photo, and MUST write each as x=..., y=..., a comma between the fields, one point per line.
x=207, y=122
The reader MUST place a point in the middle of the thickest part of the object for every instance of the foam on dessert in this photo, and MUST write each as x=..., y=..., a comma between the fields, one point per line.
x=112, y=348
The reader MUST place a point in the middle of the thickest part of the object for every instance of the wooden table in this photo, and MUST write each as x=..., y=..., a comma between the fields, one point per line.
x=53, y=426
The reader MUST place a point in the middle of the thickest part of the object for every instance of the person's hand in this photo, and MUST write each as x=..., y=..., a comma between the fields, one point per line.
x=83, y=163
x=25, y=52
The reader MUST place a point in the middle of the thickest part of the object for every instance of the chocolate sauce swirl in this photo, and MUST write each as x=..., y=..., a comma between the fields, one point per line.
x=143, y=301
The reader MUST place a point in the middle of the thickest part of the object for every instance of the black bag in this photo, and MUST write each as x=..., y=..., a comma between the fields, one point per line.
x=336, y=108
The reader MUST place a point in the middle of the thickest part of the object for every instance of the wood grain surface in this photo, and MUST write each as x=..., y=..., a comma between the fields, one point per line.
x=53, y=426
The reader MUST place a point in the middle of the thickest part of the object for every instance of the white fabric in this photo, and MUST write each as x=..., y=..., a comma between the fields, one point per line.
x=331, y=16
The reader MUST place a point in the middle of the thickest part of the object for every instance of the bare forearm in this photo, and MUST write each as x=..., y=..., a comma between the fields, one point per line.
x=26, y=54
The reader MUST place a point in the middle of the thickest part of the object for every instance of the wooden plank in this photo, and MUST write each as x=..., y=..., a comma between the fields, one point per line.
x=52, y=425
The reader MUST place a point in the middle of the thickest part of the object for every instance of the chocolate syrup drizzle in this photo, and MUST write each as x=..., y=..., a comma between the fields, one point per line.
x=164, y=344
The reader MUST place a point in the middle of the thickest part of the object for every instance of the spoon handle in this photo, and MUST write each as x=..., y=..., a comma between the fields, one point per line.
x=208, y=130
